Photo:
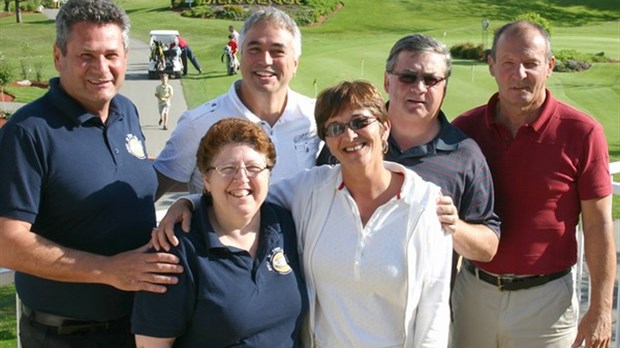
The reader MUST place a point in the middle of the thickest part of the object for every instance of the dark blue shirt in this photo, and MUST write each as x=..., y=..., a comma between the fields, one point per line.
x=225, y=298
x=82, y=184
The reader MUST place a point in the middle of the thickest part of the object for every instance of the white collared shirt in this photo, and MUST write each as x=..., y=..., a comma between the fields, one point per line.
x=385, y=284
x=294, y=136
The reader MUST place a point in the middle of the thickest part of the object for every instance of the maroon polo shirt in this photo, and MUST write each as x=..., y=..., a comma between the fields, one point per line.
x=540, y=176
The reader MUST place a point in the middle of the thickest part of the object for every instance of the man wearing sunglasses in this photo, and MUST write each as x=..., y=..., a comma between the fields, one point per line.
x=416, y=80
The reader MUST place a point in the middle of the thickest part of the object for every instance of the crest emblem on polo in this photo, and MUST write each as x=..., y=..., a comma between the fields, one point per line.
x=278, y=262
x=135, y=146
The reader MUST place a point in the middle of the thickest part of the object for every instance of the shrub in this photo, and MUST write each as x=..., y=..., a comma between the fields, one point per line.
x=6, y=72
x=571, y=60
x=468, y=51
x=199, y=12
x=571, y=65
x=230, y=12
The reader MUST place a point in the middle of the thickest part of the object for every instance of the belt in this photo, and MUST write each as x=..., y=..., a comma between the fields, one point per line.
x=72, y=326
x=511, y=282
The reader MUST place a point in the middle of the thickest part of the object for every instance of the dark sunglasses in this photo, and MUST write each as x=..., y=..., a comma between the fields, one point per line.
x=337, y=128
x=411, y=78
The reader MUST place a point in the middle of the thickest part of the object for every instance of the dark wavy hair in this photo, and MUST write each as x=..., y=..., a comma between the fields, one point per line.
x=95, y=11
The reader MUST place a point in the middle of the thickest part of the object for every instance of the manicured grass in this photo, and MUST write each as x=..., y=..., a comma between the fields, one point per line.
x=8, y=330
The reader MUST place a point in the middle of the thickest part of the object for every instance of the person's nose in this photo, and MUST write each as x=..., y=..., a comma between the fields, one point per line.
x=349, y=133
x=419, y=85
x=266, y=58
x=521, y=71
x=100, y=64
x=241, y=174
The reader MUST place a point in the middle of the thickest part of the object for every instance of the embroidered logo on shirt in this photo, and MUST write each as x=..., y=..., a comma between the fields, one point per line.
x=135, y=146
x=278, y=263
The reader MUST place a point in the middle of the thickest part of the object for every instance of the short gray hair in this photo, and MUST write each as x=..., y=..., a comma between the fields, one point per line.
x=95, y=11
x=279, y=19
x=419, y=43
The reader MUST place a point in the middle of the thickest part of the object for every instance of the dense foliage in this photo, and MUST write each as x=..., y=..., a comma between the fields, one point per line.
x=303, y=11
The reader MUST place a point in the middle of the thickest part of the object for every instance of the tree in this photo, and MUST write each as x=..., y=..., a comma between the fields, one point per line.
x=535, y=18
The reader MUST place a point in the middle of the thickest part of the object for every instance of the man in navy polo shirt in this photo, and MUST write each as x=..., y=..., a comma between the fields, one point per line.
x=77, y=192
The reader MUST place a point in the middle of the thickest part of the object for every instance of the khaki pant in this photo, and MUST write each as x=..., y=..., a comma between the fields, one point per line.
x=543, y=316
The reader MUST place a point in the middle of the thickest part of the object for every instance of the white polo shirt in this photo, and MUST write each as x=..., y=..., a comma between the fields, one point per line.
x=383, y=284
x=294, y=136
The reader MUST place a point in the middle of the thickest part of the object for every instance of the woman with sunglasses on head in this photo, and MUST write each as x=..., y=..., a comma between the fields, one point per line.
x=376, y=265
x=242, y=284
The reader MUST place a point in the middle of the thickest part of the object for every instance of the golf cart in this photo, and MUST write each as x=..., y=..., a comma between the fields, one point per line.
x=165, y=54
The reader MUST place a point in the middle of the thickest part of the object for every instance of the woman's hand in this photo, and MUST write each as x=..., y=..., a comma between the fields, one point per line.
x=162, y=236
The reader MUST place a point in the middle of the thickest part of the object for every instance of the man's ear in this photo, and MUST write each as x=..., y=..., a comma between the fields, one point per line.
x=386, y=82
x=57, y=57
x=491, y=63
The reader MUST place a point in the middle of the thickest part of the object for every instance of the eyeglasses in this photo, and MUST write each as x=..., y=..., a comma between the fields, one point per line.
x=251, y=169
x=337, y=128
x=411, y=78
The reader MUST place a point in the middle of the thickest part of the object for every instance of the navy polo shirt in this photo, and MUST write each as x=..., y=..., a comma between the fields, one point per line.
x=225, y=298
x=82, y=184
x=454, y=162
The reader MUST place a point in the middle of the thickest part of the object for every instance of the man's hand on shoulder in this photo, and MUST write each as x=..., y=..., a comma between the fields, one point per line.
x=138, y=270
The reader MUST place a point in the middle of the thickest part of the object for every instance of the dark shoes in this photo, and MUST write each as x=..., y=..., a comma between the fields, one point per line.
x=160, y=121
x=165, y=128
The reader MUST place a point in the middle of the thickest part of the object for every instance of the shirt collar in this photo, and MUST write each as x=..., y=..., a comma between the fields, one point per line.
x=546, y=111
x=447, y=140
x=72, y=110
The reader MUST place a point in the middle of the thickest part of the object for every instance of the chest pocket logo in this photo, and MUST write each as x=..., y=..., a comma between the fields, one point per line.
x=278, y=262
x=134, y=146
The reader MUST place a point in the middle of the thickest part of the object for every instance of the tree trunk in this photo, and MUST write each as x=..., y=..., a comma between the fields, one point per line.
x=18, y=12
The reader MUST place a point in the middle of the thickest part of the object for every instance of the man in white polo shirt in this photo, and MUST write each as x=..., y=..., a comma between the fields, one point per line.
x=270, y=47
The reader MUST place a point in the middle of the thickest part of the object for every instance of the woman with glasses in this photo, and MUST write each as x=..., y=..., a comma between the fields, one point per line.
x=376, y=264
x=242, y=284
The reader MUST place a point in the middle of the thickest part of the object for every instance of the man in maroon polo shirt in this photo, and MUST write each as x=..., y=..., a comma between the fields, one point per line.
x=550, y=164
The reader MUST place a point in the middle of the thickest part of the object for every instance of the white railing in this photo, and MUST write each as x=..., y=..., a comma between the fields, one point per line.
x=614, y=168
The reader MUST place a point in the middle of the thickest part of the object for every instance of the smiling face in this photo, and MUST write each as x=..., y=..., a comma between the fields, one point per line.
x=416, y=101
x=361, y=146
x=268, y=60
x=238, y=195
x=93, y=69
x=521, y=68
